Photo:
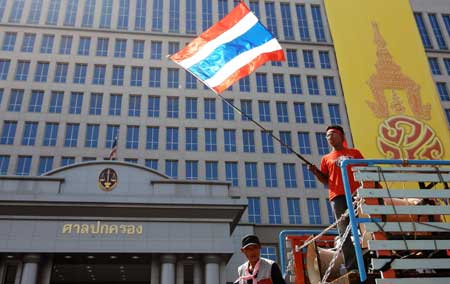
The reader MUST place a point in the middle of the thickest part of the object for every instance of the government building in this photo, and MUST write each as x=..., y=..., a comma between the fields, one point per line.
x=188, y=175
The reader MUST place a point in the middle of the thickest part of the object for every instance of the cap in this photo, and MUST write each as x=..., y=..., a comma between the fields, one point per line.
x=250, y=240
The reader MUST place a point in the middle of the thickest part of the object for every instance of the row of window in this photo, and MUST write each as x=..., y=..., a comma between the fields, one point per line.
x=435, y=22
x=152, y=138
x=435, y=65
x=135, y=74
x=295, y=19
x=251, y=170
x=95, y=106
x=138, y=48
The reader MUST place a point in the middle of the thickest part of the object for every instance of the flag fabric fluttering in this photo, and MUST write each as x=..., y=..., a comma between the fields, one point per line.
x=229, y=50
x=113, y=152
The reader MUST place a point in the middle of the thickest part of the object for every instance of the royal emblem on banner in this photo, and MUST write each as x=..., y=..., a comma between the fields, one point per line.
x=107, y=179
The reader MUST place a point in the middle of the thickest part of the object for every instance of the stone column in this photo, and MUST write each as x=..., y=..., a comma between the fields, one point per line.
x=180, y=272
x=212, y=274
x=168, y=268
x=198, y=272
x=30, y=269
x=154, y=270
x=223, y=275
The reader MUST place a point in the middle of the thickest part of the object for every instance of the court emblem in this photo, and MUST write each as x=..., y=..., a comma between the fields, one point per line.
x=107, y=180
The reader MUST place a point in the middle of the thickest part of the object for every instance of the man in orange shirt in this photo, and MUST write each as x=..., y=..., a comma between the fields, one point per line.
x=330, y=174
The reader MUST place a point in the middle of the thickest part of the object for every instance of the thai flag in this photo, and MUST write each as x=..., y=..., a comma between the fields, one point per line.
x=229, y=50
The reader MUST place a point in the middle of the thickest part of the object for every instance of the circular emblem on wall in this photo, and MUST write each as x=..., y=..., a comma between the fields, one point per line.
x=107, y=179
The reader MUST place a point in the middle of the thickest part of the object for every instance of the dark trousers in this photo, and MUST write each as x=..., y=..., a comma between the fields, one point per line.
x=339, y=206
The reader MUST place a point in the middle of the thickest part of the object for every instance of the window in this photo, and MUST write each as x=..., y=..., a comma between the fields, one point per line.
x=313, y=85
x=23, y=166
x=191, y=170
x=287, y=21
x=71, y=13
x=317, y=113
x=172, y=107
x=117, y=75
x=172, y=139
x=210, y=140
x=330, y=212
x=434, y=66
x=308, y=58
x=47, y=44
x=437, y=31
x=120, y=48
x=254, y=210
x=84, y=46
x=278, y=83
x=210, y=108
x=16, y=11
x=211, y=169
x=191, y=27
x=53, y=12
x=136, y=76
x=153, y=106
x=285, y=137
x=134, y=105
x=318, y=24
x=99, y=75
x=41, y=72
x=270, y=174
x=447, y=113
x=313, y=210
x=191, y=81
x=155, y=77
x=290, y=179
x=324, y=57
x=322, y=144
x=271, y=18
x=152, y=138
x=4, y=68
x=308, y=177
x=139, y=21
x=302, y=22
x=296, y=84
x=115, y=103
x=191, y=108
x=138, y=48
x=443, y=91
x=71, y=135
x=157, y=16
x=267, y=142
x=132, y=137
x=22, y=70
x=335, y=116
x=76, y=102
x=172, y=168
x=330, y=89
x=36, y=99
x=4, y=164
x=261, y=82
x=206, y=14
x=191, y=139
x=28, y=42
x=15, y=100
x=124, y=11
x=152, y=164
x=56, y=101
x=92, y=135
x=65, y=161
x=264, y=111
x=65, y=45
x=8, y=132
x=273, y=204
x=105, y=19
x=130, y=160
x=61, y=72
x=422, y=30
x=102, y=46
x=231, y=173
x=79, y=75
x=251, y=174
x=173, y=47
x=269, y=252
x=173, y=78
x=95, y=104
x=112, y=133
x=293, y=205
x=222, y=8
x=227, y=109
x=156, y=50
x=35, y=12
x=246, y=109
x=292, y=57
x=88, y=13
x=244, y=84
x=174, y=16
x=229, y=140
x=50, y=134
x=29, y=133
x=9, y=41
x=303, y=143
x=282, y=112
x=248, y=141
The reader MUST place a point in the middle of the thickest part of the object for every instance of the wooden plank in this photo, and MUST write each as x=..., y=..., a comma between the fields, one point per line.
x=401, y=209
x=408, y=227
x=403, y=193
x=417, y=263
x=412, y=244
x=399, y=176
x=428, y=280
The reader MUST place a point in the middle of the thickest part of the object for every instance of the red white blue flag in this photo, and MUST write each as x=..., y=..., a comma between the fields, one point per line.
x=229, y=50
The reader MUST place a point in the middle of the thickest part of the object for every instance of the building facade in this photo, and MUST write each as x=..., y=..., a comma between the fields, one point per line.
x=76, y=74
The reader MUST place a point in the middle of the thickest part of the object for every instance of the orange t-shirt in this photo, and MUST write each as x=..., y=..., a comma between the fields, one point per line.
x=329, y=165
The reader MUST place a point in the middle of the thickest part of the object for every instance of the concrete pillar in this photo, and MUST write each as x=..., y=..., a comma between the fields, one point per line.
x=212, y=274
x=154, y=270
x=197, y=272
x=180, y=272
x=223, y=275
x=168, y=268
x=46, y=270
x=30, y=269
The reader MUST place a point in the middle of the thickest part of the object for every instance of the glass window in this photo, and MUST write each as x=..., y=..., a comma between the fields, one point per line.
x=155, y=77
x=314, y=210
x=294, y=211
x=335, y=115
x=105, y=18
x=211, y=169
x=173, y=47
x=61, y=72
x=246, y=109
x=304, y=143
x=47, y=44
x=330, y=212
x=124, y=11
x=308, y=58
x=290, y=179
x=317, y=113
x=423, y=30
x=172, y=168
x=282, y=112
x=4, y=164
x=4, y=68
x=112, y=134
x=56, y=101
x=153, y=106
x=50, y=134
x=22, y=69
x=447, y=113
x=65, y=45
x=244, y=84
x=79, y=75
x=206, y=14
x=136, y=76
x=28, y=42
x=152, y=138
x=270, y=175
x=302, y=22
x=210, y=108
x=173, y=80
x=318, y=24
x=8, y=132
x=115, y=103
x=157, y=16
x=229, y=140
x=118, y=75
x=71, y=12
x=313, y=85
x=120, y=48
x=16, y=11
x=191, y=108
x=271, y=18
x=95, y=104
x=156, y=50
x=36, y=99
x=76, y=102
x=278, y=83
x=267, y=142
x=41, y=72
x=141, y=9
x=34, y=15
x=191, y=139
x=15, y=100
x=322, y=144
x=443, y=91
x=84, y=46
x=172, y=107
x=9, y=41
x=172, y=138
x=269, y=252
x=434, y=66
x=273, y=204
x=65, y=161
x=99, y=75
x=23, y=166
x=254, y=210
x=227, y=109
x=29, y=133
x=285, y=137
x=296, y=84
x=88, y=13
x=308, y=177
x=261, y=82
x=53, y=12
x=152, y=164
x=92, y=135
x=287, y=21
x=191, y=27
x=292, y=59
x=191, y=170
x=102, y=47
x=254, y=7
x=138, y=48
x=210, y=140
x=231, y=173
x=437, y=31
x=330, y=89
x=132, y=137
x=191, y=81
x=248, y=141
x=264, y=110
x=251, y=174
x=324, y=57
x=222, y=8
x=174, y=16
x=71, y=135
x=134, y=105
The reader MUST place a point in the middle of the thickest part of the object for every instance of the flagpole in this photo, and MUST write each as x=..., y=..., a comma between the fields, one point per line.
x=265, y=129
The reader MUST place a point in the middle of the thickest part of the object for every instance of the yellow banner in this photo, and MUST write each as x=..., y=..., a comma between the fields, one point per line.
x=392, y=103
